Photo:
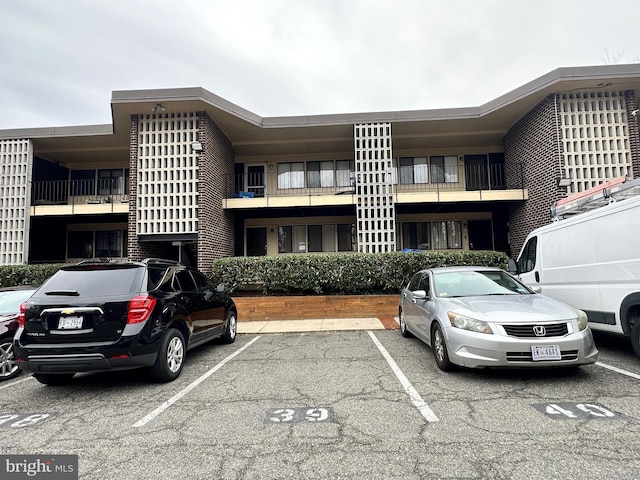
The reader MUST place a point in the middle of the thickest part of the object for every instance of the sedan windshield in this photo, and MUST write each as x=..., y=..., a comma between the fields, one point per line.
x=477, y=283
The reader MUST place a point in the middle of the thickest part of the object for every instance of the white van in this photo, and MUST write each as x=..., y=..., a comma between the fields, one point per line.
x=592, y=262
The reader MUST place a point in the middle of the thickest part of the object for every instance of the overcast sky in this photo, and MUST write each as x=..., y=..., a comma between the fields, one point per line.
x=61, y=59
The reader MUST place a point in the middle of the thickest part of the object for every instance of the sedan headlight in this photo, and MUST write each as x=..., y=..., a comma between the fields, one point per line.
x=468, y=323
x=583, y=320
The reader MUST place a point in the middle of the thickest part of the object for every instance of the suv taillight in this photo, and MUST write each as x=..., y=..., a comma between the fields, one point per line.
x=21, y=314
x=140, y=308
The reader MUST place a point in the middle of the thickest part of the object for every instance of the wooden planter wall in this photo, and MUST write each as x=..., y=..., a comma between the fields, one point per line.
x=312, y=307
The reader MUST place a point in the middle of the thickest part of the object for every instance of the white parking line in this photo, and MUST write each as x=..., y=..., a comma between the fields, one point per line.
x=619, y=370
x=187, y=389
x=7, y=385
x=417, y=400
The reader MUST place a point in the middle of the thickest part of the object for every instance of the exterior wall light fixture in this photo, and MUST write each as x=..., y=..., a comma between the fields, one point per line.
x=158, y=107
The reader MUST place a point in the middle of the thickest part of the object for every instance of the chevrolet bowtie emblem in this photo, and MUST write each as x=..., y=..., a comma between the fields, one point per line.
x=67, y=311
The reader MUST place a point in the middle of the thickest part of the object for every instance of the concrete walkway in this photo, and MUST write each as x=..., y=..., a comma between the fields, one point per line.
x=317, y=325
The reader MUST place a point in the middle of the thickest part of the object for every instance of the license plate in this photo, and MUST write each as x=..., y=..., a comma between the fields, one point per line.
x=66, y=323
x=545, y=352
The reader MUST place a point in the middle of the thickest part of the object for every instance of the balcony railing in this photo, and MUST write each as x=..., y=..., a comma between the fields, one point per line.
x=460, y=178
x=77, y=192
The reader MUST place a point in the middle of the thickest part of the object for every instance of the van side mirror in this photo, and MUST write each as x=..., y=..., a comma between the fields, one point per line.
x=512, y=267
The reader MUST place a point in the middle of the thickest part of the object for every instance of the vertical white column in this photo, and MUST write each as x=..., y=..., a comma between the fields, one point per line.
x=375, y=210
x=16, y=165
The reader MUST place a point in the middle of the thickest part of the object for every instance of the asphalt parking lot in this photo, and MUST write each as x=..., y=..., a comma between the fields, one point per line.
x=347, y=404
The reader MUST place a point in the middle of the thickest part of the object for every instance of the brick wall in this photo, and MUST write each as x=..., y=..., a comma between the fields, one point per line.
x=533, y=142
x=215, y=225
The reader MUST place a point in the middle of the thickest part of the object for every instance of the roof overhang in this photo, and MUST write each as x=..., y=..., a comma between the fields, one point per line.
x=255, y=136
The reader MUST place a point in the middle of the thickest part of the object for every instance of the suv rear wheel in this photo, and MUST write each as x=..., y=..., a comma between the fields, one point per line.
x=170, y=357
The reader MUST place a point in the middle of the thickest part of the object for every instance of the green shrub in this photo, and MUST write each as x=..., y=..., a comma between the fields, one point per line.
x=338, y=273
x=12, y=275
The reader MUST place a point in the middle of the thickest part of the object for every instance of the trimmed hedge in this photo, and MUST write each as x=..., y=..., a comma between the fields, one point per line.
x=323, y=274
x=340, y=273
x=12, y=275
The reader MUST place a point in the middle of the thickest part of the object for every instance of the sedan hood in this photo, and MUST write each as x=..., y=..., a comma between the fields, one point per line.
x=512, y=308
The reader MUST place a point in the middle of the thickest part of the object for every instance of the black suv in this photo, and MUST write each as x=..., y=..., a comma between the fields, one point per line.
x=99, y=316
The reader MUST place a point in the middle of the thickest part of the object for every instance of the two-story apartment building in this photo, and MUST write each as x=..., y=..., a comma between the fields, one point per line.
x=185, y=174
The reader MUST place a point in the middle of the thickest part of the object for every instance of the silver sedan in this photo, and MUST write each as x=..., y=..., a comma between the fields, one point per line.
x=483, y=317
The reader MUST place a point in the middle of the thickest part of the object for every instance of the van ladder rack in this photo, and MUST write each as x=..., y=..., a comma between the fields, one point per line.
x=614, y=190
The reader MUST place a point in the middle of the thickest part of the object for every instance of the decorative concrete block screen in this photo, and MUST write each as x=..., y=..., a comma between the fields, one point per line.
x=167, y=174
x=595, y=138
x=375, y=211
x=16, y=161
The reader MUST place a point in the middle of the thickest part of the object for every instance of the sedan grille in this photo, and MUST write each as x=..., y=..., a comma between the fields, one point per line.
x=526, y=331
x=526, y=356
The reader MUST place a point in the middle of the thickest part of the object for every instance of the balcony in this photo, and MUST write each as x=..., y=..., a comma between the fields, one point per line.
x=462, y=183
x=68, y=197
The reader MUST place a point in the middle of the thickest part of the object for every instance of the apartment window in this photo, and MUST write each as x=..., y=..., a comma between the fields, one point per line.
x=319, y=174
x=96, y=244
x=416, y=235
x=322, y=238
x=413, y=170
x=446, y=235
x=109, y=243
x=346, y=237
x=291, y=175
x=113, y=182
x=291, y=239
x=444, y=169
x=344, y=173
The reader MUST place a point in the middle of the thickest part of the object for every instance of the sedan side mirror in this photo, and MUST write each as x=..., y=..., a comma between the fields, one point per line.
x=420, y=295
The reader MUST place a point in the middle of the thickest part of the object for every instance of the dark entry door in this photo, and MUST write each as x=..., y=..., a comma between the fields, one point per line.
x=256, y=241
x=480, y=235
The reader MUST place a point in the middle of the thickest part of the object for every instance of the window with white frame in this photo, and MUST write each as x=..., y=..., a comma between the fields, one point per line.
x=96, y=243
x=344, y=173
x=446, y=235
x=347, y=237
x=444, y=169
x=416, y=235
x=292, y=239
x=291, y=175
x=414, y=170
x=319, y=174
x=113, y=181
x=322, y=238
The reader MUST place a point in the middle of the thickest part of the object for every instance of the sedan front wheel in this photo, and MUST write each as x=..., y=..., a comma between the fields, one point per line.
x=439, y=348
x=403, y=326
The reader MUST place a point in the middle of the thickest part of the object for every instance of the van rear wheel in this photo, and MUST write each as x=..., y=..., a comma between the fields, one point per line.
x=635, y=337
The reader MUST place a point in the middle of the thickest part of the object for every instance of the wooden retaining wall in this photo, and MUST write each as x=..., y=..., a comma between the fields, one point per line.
x=312, y=307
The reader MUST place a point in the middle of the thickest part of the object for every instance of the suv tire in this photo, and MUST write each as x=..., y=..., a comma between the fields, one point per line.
x=170, y=357
x=231, y=330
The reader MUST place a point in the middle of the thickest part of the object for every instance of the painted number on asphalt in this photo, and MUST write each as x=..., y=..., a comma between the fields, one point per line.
x=14, y=420
x=575, y=410
x=300, y=414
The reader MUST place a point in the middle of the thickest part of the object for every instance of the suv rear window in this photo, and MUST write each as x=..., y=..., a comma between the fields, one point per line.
x=94, y=282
